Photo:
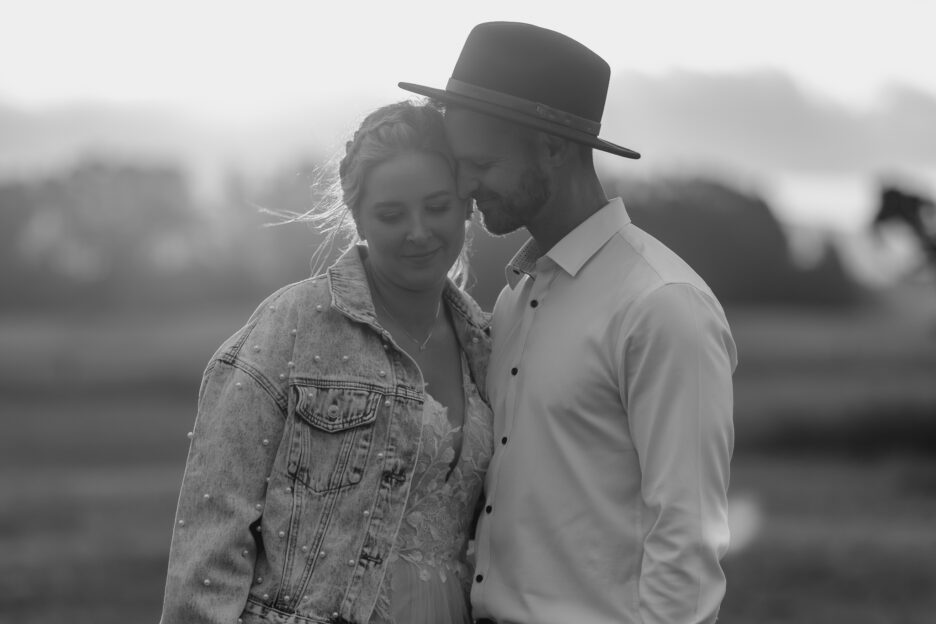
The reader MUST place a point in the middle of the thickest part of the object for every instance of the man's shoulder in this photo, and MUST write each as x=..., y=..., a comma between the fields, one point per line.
x=645, y=264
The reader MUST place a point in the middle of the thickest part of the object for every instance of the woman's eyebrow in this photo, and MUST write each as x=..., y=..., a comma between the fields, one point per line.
x=440, y=193
x=389, y=204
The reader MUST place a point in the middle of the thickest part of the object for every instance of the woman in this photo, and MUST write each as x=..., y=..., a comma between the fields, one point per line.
x=340, y=443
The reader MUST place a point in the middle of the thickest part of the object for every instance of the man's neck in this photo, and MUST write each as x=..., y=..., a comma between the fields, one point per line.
x=577, y=197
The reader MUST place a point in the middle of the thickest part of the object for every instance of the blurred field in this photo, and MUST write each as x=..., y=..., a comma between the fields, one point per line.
x=833, y=483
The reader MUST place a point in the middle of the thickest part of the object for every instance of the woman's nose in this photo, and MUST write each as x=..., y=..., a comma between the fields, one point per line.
x=417, y=232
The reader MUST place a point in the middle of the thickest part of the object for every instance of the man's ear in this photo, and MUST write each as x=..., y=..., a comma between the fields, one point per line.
x=555, y=150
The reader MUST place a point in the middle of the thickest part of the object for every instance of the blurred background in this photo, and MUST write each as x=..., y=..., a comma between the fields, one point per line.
x=789, y=154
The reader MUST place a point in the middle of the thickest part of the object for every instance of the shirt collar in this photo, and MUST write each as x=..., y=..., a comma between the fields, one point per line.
x=575, y=248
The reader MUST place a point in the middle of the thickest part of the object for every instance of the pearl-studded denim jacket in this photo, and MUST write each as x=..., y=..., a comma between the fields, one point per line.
x=301, y=458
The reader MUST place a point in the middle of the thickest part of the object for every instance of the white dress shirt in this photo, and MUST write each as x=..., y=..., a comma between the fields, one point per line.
x=610, y=379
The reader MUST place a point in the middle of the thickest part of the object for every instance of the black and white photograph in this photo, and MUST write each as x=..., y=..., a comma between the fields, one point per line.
x=488, y=312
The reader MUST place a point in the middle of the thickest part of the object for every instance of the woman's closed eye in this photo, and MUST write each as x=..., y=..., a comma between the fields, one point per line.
x=390, y=216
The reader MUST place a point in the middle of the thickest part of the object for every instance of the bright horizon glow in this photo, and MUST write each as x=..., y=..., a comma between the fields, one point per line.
x=251, y=61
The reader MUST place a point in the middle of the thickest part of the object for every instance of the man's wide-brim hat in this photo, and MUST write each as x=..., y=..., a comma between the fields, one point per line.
x=531, y=76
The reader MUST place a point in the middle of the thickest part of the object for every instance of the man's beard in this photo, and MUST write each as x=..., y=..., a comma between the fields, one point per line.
x=503, y=214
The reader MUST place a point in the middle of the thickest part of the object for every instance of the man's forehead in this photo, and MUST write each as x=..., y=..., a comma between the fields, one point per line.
x=469, y=131
x=467, y=118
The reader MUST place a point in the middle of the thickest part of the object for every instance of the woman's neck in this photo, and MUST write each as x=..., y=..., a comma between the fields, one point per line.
x=414, y=309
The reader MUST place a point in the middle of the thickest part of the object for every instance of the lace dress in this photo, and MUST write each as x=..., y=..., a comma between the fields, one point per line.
x=428, y=579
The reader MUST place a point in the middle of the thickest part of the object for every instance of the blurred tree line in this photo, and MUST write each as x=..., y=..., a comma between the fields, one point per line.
x=105, y=234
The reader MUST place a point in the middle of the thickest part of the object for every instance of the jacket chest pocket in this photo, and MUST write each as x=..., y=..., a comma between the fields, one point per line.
x=334, y=434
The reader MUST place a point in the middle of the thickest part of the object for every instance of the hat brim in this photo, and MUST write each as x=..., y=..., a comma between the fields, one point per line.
x=482, y=106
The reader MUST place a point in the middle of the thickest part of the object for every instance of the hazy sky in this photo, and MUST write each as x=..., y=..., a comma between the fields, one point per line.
x=246, y=60
x=244, y=64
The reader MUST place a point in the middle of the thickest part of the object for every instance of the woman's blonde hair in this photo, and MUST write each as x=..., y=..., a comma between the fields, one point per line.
x=405, y=126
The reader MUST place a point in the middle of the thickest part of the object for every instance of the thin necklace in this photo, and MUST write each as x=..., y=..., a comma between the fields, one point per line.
x=422, y=344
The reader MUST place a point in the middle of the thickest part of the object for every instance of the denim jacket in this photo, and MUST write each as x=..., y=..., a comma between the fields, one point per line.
x=307, y=432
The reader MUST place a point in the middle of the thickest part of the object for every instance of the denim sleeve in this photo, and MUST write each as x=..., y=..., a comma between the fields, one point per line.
x=237, y=431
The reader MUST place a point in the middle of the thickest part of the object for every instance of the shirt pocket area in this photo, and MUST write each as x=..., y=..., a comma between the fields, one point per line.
x=334, y=434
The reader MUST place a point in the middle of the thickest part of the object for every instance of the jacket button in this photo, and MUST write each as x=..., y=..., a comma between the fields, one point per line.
x=332, y=412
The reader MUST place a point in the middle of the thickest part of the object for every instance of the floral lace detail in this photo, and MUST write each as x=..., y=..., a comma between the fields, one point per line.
x=444, y=493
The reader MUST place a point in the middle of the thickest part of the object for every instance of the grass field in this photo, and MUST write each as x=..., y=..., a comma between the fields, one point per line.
x=833, y=482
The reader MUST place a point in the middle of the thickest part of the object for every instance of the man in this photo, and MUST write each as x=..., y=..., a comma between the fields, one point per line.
x=610, y=379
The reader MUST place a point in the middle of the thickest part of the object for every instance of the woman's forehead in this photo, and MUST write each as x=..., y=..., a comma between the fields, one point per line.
x=407, y=176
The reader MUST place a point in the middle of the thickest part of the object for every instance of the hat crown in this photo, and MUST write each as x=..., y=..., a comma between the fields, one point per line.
x=535, y=64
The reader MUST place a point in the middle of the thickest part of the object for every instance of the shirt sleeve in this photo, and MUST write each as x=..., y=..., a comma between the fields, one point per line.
x=678, y=360
x=214, y=542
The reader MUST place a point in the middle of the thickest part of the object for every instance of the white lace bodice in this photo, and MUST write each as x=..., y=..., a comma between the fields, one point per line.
x=434, y=534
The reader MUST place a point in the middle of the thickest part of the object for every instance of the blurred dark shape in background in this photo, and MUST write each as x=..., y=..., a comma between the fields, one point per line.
x=735, y=243
x=912, y=210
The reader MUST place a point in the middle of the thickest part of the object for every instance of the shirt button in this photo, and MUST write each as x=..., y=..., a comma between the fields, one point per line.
x=514, y=370
x=479, y=578
x=489, y=509
x=534, y=303
x=504, y=440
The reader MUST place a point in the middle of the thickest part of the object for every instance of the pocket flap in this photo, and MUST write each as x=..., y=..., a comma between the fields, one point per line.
x=336, y=409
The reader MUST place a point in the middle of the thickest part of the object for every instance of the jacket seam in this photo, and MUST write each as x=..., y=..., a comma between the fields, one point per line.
x=254, y=373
